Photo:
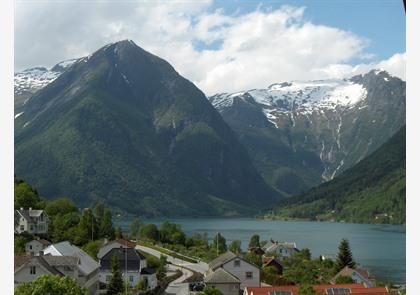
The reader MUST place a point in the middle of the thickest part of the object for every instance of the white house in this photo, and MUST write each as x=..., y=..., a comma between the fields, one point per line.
x=32, y=221
x=358, y=275
x=281, y=249
x=88, y=268
x=34, y=247
x=29, y=268
x=247, y=273
x=133, y=267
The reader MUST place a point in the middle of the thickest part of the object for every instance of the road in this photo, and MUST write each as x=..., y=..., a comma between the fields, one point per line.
x=200, y=267
x=177, y=287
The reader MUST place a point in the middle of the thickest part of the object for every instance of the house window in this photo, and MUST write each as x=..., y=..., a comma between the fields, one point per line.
x=32, y=227
x=249, y=274
x=131, y=278
x=22, y=227
x=32, y=270
x=237, y=263
x=30, y=247
x=108, y=278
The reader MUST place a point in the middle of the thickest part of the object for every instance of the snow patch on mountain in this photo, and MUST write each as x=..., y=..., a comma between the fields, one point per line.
x=301, y=97
x=33, y=79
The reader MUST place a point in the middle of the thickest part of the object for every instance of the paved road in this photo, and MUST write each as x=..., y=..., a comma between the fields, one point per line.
x=177, y=287
x=200, y=267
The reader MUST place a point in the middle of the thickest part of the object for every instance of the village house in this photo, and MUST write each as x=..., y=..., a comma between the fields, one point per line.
x=118, y=243
x=88, y=268
x=359, y=289
x=280, y=249
x=34, y=222
x=273, y=262
x=358, y=275
x=35, y=247
x=239, y=270
x=29, y=268
x=224, y=281
x=133, y=265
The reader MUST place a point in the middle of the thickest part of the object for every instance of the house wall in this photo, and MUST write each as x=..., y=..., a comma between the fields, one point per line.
x=361, y=280
x=241, y=270
x=151, y=281
x=134, y=274
x=36, y=247
x=24, y=274
x=39, y=227
x=226, y=289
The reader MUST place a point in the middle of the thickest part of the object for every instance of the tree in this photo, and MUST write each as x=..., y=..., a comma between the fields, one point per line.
x=118, y=233
x=344, y=257
x=116, y=284
x=141, y=285
x=344, y=280
x=254, y=241
x=26, y=197
x=51, y=285
x=210, y=291
x=92, y=248
x=306, y=290
x=87, y=228
x=171, y=233
x=235, y=246
x=219, y=243
x=106, y=228
x=254, y=258
x=160, y=273
x=60, y=206
x=135, y=227
x=305, y=253
x=149, y=232
x=99, y=215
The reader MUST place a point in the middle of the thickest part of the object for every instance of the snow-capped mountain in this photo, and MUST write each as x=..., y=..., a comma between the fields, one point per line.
x=300, y=133
x=31, y=80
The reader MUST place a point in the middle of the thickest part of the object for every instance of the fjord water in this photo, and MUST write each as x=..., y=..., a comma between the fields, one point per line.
x=380, y=248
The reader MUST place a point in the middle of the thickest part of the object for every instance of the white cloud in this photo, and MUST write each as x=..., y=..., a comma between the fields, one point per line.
x=217, y=51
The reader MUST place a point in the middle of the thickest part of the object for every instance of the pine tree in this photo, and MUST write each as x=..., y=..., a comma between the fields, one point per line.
x=116, y=284
x=254, y=241
x=345, y=257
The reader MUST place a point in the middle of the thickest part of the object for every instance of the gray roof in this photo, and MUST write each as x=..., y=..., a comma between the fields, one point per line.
x=41, y=260
x=222, y=259
x=61, y=260
x=87, y=264
x=280, y=245
x=114, y=244
x=221, y=276
x=29, y=214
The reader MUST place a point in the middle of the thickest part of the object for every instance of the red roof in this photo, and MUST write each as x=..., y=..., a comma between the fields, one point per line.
x=355, y=289
x=21, y=260
x=123, y=242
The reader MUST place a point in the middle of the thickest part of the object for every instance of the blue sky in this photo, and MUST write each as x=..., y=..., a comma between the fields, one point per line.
x=381, y=21
x=250, y=44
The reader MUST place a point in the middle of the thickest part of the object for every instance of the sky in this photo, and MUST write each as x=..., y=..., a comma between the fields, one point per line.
x=222, y=46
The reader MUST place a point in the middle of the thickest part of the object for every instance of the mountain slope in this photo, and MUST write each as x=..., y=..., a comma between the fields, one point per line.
x=302, y=133
x=124, y=127
x=371, y=191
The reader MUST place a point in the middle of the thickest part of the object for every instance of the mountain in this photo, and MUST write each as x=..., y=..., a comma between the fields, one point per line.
x=302, y=133
x=28, y=81
x=371, y=191
x=122, y=126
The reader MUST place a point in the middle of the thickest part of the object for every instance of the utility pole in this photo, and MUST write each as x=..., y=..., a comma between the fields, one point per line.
x=217, y=244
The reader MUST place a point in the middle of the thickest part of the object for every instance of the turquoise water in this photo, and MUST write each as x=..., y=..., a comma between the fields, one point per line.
x=380, y=248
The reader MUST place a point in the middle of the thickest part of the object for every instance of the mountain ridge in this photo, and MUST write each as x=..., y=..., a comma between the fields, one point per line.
x=300, y=134
x=122, y=126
